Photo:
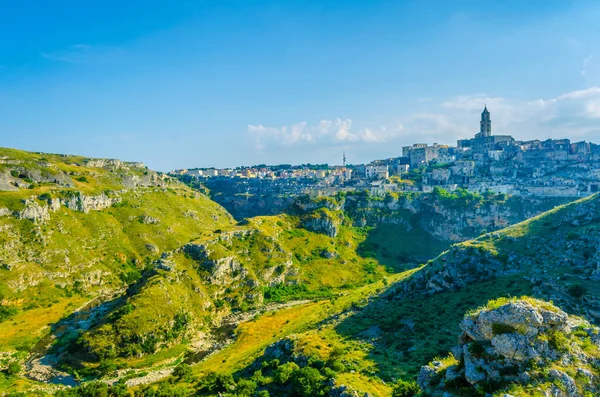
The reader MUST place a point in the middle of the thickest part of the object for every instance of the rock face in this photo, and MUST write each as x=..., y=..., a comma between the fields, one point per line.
x=446, y=220
x=324, y=221
x=511, y=344
x=150, y=179
x=563, y=241
x=40, y=213
x=7, y=182
x=34, y=212
x=84, y=203
x=231, y=268
x=113, y=164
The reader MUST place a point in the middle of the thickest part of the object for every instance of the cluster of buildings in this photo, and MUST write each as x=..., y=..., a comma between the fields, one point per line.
x=486, y=162
x=271, y=172
x=502, y=164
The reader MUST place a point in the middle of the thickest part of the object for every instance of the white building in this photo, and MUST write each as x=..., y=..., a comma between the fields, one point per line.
x=377, y=172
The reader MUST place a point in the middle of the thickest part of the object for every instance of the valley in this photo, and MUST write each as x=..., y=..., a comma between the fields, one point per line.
x=114, y=277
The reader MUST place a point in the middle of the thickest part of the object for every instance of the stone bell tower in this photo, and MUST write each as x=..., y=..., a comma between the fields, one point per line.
x=486, y=123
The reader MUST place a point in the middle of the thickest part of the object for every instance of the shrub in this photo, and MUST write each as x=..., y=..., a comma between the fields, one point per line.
x=107, y=366
x=558, y=341
x=337, y=366
x=476, y=348
x=181, y=321
x=245, y=388
x=130, y=276
x=308, y=382
x=182, y=371
x=282, y=374
x=218, y=383
x=45, y=197
x=13, y=368
x=406, y=389
x=500, y=328
x=6, y=312
x=92, y=389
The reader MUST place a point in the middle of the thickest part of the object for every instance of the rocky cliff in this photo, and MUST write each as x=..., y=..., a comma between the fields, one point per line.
x=556, y=252
x=451, y=217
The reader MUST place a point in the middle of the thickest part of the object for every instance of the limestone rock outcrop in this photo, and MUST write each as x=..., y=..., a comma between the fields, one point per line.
x=7, y=182
x=325, y=222
x=513, y=344
x=34, y=211
x=83, y=203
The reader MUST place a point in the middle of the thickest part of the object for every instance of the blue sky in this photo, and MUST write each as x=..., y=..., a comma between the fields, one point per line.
x=223, y=83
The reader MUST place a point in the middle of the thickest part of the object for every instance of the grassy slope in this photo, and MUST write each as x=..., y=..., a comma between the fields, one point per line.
x=119, y=239
x=185, y=289
x=58, y=265
x=418, y=328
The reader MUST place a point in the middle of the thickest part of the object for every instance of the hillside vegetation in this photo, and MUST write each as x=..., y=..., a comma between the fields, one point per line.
x=381, y=342
x=405, y=229
x=112, y=272
x=106, y=264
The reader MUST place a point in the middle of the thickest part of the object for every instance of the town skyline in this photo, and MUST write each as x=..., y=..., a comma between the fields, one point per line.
x=484, y=138
x=498, y=164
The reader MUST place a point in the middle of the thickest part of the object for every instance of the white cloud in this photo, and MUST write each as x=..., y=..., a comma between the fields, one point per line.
x=579, y=94
x=324, y=132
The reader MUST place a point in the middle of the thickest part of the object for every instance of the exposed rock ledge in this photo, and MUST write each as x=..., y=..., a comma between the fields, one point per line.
x=40, y=213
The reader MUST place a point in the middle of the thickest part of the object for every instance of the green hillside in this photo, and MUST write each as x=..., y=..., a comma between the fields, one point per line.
x=112, y=272
x=106, y=264
x=385, y=338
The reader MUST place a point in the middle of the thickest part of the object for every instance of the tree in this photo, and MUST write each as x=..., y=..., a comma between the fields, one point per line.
x=13, y=368
x=182, y=371
x=283, y=372
x=308, y=382
x=245, y=388
x=577, y=290
x=218, y=383
x=406, y=389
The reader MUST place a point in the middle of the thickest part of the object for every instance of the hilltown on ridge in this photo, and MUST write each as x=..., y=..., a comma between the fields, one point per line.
x=486, y=162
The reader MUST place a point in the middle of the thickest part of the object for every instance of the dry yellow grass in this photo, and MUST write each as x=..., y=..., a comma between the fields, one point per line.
x=254, y=336
x=365, y=384
x=29, y=326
